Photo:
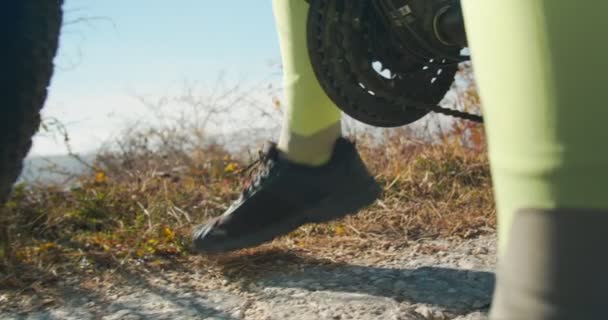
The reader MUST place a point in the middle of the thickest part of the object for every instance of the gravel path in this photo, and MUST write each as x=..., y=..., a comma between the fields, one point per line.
x=433, y=279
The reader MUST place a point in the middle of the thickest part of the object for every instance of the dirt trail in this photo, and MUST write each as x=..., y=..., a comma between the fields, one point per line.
x=433, y=279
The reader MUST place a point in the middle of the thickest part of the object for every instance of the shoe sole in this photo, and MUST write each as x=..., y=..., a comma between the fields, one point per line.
x=349, y=202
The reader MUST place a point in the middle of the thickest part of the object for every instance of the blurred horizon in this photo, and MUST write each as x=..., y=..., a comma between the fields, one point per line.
x=112, y=53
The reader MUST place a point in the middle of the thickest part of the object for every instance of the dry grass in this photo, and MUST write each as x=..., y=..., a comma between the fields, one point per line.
x=136, y=210
x=136, y=207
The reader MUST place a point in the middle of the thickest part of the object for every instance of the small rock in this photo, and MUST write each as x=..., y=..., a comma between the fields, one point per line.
x=425, y=311
x=299, y=294
x=325, y=314
x=238, y=314
x=409, y=315
x=469, y=263
x=473, y=316
x=480, y=250
x=439, y=315
x=121, y=315
x=429, y=313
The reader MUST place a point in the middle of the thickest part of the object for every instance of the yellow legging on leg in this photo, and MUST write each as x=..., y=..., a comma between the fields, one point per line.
x=311, y=121
x=541, y=68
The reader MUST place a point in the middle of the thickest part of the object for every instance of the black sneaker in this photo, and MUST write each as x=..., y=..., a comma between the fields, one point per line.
x=281, y=196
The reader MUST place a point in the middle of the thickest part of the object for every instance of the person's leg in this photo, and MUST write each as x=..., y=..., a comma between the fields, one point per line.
x=311, y=122
x=312, y=175
x=540, y=66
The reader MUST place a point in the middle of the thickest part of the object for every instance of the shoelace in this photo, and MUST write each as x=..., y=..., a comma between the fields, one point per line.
x=257, y=172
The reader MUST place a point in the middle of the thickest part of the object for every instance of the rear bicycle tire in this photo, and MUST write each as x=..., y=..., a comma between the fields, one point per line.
x=29, y=33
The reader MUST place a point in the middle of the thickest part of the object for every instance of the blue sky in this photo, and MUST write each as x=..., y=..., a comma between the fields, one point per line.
x=150, y=47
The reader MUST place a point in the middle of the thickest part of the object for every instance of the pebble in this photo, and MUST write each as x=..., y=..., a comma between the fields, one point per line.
x=425, y=311
x=470, y=263
x=300, y=295
x=120, y=315
x=480, y=250
x=238, y=313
